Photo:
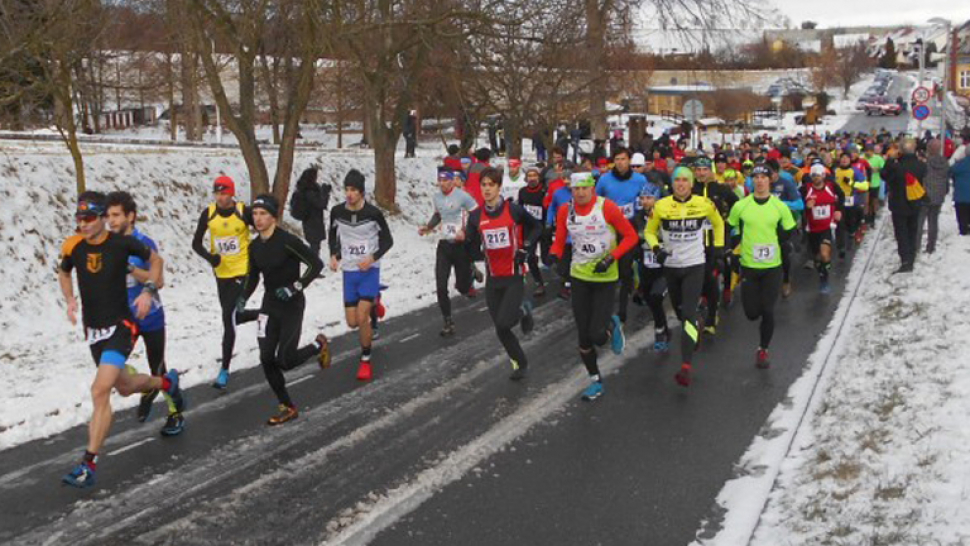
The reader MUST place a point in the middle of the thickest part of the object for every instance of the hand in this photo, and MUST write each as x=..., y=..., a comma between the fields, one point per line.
x=423, y=230
x=810, y=203
x=521, y=256
x=366, y=263
x=334, y=263
x=660, y=254
x=286, y=293
x=143, y=304
x=837, y=216
x=240, y=305
x=215, y=260
x=72, y=311
x=460, y=236
x=603, y=265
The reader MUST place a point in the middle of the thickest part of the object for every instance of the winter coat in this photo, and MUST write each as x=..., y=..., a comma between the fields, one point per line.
x=894, y=174
x=960, y=172
x=937, y=181
x=317, y=198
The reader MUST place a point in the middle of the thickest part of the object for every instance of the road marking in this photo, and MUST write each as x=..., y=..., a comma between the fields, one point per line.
x=301, y=380
x=130, y=446
x=409, y=338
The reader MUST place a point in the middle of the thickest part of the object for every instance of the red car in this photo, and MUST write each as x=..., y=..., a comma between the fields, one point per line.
x=883, y=107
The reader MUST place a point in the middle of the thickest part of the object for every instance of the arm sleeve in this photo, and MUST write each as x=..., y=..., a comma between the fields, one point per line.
x=559, y=244
x=734, y=218
x=434, y=220
x=472, y=237
x=296, y=246
x=532, y=228
x=794, y=200
x=628, y=236
x=252, y=277
x=384, y=238
x=787, y=219
x=247, y=216
x=652, y=231
x=718, y=224
x=200, y=228
x=333, y=242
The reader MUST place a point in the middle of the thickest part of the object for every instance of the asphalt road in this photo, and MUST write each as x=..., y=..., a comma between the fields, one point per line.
x=860, y=122
x=440, y=449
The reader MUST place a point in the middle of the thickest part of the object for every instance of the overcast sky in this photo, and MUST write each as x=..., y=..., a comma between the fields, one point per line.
x=833, y=13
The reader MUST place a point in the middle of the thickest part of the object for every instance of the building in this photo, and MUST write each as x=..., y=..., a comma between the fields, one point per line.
x=665, y=99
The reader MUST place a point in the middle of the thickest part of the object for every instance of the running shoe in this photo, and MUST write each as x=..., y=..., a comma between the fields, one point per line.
x=539, y=292
x=287, y=413
x=761, y=359
x=145, y=405
x=174, y=391
x=222, y=380
x=710, y=326
x=824, y=287
x=637, y=299
x=375, y=332
x=174, y=425
x=618, y=340
x=593, y=391
x=324, y=358
x=364, y=371
x=527, y=322
x=479, y=276
x=661, y=342
x=786, y=289
x=82, y=476
x=472, y=293
x=683, y=377
x=518, y=372
x=449, y=328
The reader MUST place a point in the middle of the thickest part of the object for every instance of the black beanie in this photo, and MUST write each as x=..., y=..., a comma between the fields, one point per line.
x=268, y=203
x=354, y=179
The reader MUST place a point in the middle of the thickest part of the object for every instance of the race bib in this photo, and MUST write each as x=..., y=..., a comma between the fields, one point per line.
x=497, y=238
x=650, y=259
x=354, y=251
x=849, y=201
x=450, y=231
x=628, y=210
x=589, y=249
x=227, y=246
x=261, y=321
x=535, y=211
x=821, y=212
x=97, y=335
x=764, y=253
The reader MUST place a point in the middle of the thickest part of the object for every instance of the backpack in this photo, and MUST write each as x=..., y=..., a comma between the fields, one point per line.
x=298, y=206
x=914, y=188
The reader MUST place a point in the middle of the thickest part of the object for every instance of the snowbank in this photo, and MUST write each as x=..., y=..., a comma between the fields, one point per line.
x=47, y=367
x=881, y=456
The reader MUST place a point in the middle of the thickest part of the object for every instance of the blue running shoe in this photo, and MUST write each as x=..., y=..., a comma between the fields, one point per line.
x=824, y=288
x=174, y=391
x=222, y=381
x=661, y=342
x=82, y=476
x=593, y=391
x=618, y=341
x=174, y=425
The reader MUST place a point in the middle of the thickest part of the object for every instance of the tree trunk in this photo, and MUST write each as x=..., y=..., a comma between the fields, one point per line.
x=596, y=56
x=513, y=138
x=190, y=97
x=173, y=126
x=298, y=97
x=385, y=178
x=64, y=114
x=270, y=82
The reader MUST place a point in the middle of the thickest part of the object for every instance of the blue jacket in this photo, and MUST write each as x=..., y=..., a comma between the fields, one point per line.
x=155, y=320
x=560, y=198
x=960, y=172
x=625, y=193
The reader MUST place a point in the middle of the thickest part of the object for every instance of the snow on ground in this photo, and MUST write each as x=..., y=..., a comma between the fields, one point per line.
x=882, y=453
x=46, y=364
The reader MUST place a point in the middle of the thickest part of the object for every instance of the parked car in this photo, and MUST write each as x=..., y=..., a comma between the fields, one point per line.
x=883, y=107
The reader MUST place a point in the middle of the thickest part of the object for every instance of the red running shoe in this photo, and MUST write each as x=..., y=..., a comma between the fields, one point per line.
x=364, y=372
x=683, y=376
x=761, y=359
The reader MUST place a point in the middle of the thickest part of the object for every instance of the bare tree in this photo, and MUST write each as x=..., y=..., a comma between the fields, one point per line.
x=852, y=62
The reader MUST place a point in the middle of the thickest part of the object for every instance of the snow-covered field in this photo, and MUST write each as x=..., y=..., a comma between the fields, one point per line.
x=880, y=456
x=46, y=365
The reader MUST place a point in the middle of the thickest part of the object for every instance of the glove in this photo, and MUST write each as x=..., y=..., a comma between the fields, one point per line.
x=215, y=260
x=521, y=256
x=604, y=264
x=660, y=254
x=286, y=293
x=240, y=305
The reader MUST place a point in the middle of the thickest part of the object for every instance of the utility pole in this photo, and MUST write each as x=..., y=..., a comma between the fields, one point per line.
x=921, y=49
x=945, y=23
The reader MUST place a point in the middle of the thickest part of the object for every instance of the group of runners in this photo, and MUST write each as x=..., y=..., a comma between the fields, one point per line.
x=615, y=231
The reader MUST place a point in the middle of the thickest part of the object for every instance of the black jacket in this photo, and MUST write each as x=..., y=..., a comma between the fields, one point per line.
x=317, y=198
x=894, y=174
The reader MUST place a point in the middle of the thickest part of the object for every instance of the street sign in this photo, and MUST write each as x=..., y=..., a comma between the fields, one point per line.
x=921, y=112
x=921, y=94
x=693, y=110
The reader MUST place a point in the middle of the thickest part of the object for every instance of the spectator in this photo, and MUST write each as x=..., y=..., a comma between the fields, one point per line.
x=905, y=213
x=315, y=199
x=937, y=186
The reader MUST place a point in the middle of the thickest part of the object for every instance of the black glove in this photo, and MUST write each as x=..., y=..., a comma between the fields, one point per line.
x=660, y=255
x=604, y=264
x=215, y=260
x=286, y=293
x=521, y=256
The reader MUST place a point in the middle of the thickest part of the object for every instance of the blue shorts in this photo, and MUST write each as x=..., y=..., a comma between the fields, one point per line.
x=361, y=285
x=112, y=346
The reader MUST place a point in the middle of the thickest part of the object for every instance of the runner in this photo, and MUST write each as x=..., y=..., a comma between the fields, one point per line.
x=784, y=186
x=531, y=198
x=276, y=255
x=761, y=223
x=594, y=224
x=359, y=238
x=876, y=162
x=853, y=184
x=227, y=222
x=451, y=208
x=723, y=198
x=562, y=196
x=101, y=261
x=681, y=219
x=513, y=180
x=506, y=234
x=823, y=205
x=653, y=287
x=122, y=214
x=623, y=186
